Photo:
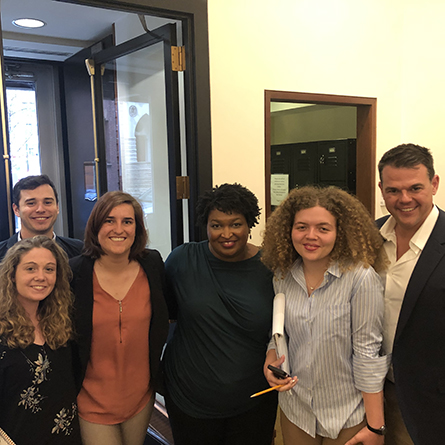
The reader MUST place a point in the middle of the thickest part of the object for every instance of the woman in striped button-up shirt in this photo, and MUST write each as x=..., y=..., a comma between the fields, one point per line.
x=324, y=249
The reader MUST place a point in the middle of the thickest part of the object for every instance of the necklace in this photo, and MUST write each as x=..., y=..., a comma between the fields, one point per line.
x=315, y=286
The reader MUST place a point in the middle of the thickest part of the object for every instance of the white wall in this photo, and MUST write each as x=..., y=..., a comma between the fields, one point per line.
x=388, y=49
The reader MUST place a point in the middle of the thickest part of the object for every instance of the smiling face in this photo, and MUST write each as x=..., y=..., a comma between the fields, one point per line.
x=313, y=235
x=117, y=234
x=37, y=210
x=228, y=234
x=408, y=195
x=35, y=277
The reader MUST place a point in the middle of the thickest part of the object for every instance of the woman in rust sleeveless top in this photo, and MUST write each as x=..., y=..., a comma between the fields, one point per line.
x=121, y=322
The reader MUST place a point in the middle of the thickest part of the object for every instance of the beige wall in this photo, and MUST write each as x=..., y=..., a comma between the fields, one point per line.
x=388, y=49
x=314, y=123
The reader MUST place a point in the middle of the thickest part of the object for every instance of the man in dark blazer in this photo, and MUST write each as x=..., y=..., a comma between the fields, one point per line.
x=414, y=327
x=36, y=203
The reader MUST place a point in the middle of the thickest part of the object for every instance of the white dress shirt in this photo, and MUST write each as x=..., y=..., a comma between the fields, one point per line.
x=399, y=272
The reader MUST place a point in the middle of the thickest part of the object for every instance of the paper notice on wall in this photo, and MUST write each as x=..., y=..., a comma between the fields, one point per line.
x=279, y=188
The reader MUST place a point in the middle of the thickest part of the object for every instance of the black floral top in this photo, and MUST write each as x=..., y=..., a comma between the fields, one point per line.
x=38, y=395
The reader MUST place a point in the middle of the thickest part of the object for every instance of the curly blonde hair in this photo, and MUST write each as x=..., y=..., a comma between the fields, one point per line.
x=358, y=239
x=53, y=313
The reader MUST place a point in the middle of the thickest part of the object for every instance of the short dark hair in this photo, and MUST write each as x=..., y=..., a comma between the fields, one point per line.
x=228, y=198
x=408, y=156
x=104, y=205
x=31, y=183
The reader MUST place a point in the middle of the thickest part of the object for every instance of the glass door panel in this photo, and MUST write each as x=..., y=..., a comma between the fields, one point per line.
x=23, y=136
x=140, y=130
x=137, y=161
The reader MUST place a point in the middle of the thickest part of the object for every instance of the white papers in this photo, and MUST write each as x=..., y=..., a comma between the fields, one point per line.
x=279, y=304
x=279, y=188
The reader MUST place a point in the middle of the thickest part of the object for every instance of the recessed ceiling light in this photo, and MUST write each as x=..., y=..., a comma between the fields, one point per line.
x=28, y=23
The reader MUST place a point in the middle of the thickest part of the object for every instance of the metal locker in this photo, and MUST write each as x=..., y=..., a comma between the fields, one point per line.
x=337, y=163
x=304, y=164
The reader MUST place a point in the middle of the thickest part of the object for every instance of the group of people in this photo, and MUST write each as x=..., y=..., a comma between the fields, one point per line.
x=83, y=325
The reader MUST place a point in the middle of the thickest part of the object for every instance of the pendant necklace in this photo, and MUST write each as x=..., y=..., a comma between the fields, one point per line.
x=315, y=286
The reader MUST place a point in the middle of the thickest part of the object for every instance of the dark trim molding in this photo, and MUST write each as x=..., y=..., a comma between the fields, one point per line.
x=366, y=137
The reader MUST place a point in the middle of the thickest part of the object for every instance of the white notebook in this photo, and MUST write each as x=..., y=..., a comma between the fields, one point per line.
x=279, y=304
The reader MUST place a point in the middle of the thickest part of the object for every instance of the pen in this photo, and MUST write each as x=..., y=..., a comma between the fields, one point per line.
x=266, y=390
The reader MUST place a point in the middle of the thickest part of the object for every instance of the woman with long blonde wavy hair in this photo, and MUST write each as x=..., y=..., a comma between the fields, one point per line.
x=37, y=385
x=324, y=249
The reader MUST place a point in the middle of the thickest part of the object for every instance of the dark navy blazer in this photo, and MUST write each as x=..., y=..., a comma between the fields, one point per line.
x=419, y=344
x=71, y=246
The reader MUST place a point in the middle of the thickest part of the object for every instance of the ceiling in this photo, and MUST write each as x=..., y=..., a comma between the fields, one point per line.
x=69, y=28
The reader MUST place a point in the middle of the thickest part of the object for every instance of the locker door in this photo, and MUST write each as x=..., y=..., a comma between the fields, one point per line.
x=304, y=164
x=337, y=163
x=280, y=159
x=332, y=159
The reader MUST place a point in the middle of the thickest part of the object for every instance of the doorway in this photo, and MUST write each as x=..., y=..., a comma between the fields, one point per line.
x=365, y=109
x=33, y=105
x=132, y=140
x=193, y=138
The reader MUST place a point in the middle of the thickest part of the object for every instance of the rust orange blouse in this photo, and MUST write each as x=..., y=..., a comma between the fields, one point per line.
x=117, y=381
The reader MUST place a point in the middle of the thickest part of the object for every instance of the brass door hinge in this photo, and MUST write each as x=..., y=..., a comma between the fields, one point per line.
x=178, y=58
x=182, y=187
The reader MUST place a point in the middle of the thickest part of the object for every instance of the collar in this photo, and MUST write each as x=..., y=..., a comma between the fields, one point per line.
x=333, y=268
x=420, y=238
x=19, y=236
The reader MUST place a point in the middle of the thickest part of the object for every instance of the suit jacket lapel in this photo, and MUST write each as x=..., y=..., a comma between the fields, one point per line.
x=429, y=259
x=13, y=240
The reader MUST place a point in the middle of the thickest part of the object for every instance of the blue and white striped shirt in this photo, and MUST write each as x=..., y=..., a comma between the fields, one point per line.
x=334, y=338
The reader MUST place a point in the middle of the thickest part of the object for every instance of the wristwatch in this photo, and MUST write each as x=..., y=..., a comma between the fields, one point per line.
x=380, y=431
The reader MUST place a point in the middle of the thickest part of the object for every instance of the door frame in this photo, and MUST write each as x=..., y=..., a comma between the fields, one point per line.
x=167, y=35
x=6, y=224
x=194, y=20
x=366, y=137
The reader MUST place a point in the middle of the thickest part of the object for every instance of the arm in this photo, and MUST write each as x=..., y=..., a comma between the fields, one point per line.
x=368, y=366
x=375, y=418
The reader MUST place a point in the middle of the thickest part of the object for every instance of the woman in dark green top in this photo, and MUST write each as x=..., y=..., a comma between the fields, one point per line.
x=223, y=304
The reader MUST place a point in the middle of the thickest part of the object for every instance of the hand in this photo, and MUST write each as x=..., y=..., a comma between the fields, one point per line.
x=366, y=437
x=288, y=382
